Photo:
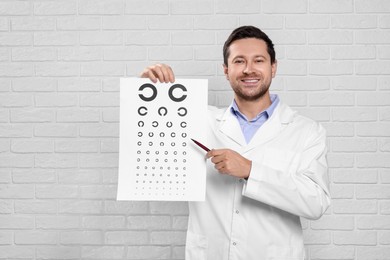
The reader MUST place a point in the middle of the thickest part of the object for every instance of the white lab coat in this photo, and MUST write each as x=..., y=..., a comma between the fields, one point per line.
x=259, y=219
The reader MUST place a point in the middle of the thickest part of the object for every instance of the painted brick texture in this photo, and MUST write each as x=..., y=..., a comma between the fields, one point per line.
x=60, y=64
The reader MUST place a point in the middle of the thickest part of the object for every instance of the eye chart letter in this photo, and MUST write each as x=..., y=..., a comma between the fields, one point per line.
x=157, y=159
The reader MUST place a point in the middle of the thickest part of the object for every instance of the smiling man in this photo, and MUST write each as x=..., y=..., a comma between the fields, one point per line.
x=267, y=168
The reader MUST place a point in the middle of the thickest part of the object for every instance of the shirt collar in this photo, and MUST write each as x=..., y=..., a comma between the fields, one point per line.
x=267, y=112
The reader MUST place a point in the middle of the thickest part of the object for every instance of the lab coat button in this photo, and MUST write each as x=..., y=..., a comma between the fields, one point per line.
x=237, y=211
x=234, y=243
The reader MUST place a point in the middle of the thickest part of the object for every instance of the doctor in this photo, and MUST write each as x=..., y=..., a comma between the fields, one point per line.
x=267, y=168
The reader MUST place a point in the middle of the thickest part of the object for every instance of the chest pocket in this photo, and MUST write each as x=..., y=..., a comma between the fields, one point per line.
x=285, y=161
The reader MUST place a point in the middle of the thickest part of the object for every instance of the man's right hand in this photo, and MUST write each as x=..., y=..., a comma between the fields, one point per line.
x=159, y=72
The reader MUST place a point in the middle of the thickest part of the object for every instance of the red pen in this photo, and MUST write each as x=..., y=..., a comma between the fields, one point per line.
x=201, y=145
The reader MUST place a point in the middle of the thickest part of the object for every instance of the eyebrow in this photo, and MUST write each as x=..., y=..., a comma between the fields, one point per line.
x=256, y=56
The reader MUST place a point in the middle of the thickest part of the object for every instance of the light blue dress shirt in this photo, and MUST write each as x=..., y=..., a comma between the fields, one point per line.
x=249, y=127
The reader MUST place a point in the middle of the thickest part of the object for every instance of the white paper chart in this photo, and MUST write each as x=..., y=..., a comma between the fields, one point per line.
x=157, y=159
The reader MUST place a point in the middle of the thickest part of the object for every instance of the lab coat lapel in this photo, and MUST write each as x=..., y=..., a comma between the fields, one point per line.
x=230, y=127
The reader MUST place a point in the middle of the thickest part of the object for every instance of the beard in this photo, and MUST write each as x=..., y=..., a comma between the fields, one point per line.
x=254, y=95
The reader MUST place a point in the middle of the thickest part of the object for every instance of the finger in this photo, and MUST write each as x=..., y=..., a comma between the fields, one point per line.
x=167, y=73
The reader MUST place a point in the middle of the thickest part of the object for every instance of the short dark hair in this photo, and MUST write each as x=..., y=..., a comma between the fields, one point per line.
x=244, y=32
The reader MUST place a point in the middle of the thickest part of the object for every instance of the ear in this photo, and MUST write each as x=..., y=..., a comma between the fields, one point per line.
x=274, y=68
x=225, y=70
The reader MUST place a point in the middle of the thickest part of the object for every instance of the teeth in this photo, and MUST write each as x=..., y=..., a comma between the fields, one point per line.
x=250, y=80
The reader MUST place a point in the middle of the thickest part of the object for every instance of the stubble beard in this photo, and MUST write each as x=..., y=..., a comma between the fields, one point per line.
x=252, y=96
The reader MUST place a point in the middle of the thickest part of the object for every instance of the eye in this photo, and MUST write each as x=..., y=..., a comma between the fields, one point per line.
x=238, y=61
x=259, y=61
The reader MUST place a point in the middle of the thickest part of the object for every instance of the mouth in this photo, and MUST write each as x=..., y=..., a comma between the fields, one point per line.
x=250, y=81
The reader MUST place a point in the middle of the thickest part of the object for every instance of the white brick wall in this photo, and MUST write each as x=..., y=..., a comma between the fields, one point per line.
x=60, y=64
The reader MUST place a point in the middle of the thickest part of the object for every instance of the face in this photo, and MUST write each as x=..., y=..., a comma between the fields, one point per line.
x=249, y=69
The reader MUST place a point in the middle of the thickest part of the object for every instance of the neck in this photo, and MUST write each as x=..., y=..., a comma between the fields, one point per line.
x=252, y=108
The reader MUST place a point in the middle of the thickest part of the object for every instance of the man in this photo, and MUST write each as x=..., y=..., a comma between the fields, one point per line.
x=267, y=168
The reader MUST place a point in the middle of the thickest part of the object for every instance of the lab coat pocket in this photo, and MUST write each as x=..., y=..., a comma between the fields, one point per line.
x=282, y=160
x=286, y=253
x=196, y=247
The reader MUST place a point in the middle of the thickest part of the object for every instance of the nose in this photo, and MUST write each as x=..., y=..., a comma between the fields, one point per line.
x=248, y=68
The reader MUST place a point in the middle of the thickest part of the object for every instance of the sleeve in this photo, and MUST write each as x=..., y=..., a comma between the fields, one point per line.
x=294, y=182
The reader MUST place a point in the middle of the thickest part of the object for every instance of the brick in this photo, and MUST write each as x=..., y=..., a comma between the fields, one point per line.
x=57, y=222
x=109, y=146
x=189, y=7
x=125, y=207
x=15, y=100
x=17, y=252
x=77, y=176
x=176, y=53
x=215, y=22
x=149, y=222
x=56, y=38
x=342, y=191
x=307, y=83
x=34, y=54
x=111, y=85
x=149, y=252
x=35, y=206
x=347, y=206
x=178, y=252
x=76, y=146
x=263, y=21
x=331, y=252
x=15, y=131
x=384, y=237
x=16, y=70
x=354, y=21
x=6, y=238
x=146, y=7
x=290, y=67
x=372, y=67
x=79, y=85
x=330, y=37
x=243, y=7
x=56, y=160
x=16, y=222
x=80, y=206
x=316, y=237
x=99, y=160
x=173, y=208
x=333, y=6
x=6, y=207
x=125, y=53
x=31, y=115
x=32, y=146
x=287, y=37
x=55, y=8
x=126, y=237
x=81, y=237
x=56, y=100
x=353, y=145
x=15, y=8
x=34, y=84
x=5, y=55
x=384, y=145
x=307, y=21
x=78, y=23
x=331, y=99
x=33, y=24
x=372, y=191
x=205, y=53
x=373, y=129
x=100, y=7
x=100, y=130
x=110, y=115
x=4, y=144
x=294, y=99
x=354, y=176
x=90, y=53
x=383, y=83
x=102, y=69
x=55, y=130
x=372, y=253
x=374, y=6
x=168, y=237
x=4, y=24
x=373, y=160
x=295, y=7
x=364, y=238
x=307, y=53
x=63, y=69
x=373, y=99
x=16, y=160
x=354, y=83
x=36, y=237
x=384, y=22
x=383, y=53
x=101, y=38
x=384, y=207
x=98, y=192
x=373, y=222
x=348, y=114
x=78, y=115
x=170, y=22
x=193, y=69
x=96, y=252
x=127, y=22
x=372, y=37
x=19, y=191
x=193, y=38
x=5, y=85
x=5, y=176
x=109, y=222
x=59, y=191
x=384, y=176
x=57, y=252
x=330, y=68
x=110, y=176
x=353, y=52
